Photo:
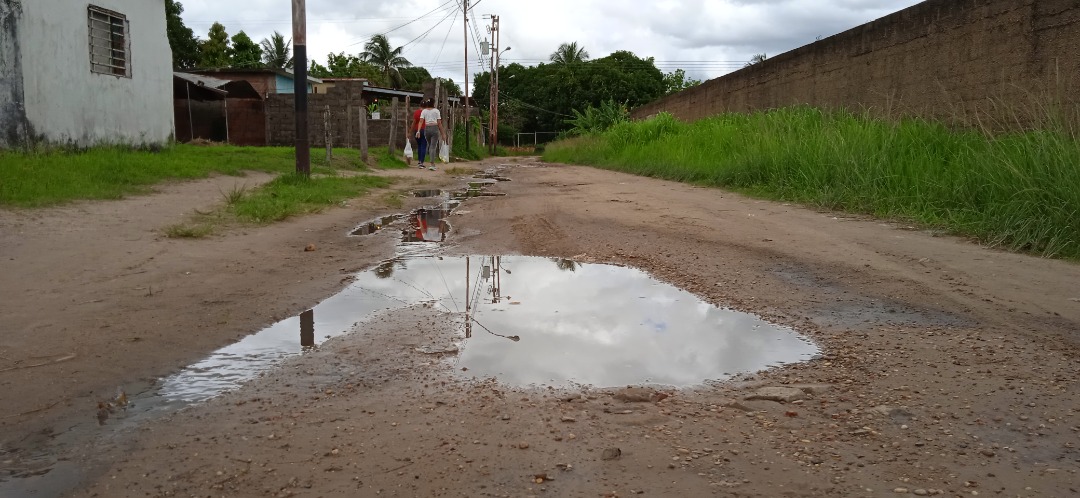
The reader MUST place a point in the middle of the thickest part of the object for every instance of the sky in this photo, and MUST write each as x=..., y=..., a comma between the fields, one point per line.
x=706, y=38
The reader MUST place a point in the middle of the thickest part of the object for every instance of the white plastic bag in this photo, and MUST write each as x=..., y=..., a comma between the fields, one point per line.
x=408, y=149
x=444, y=151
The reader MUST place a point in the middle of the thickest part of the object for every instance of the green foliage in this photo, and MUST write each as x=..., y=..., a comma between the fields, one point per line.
x=476, y=149
x=676, y=81
x=598, y=119
x=244, y=53
x=276, y=52
x=542, y=97
x=755, y=60
x=214, y=51
x=182, y=41
x=292, y=194
x=377, y=52
x=1017, y=190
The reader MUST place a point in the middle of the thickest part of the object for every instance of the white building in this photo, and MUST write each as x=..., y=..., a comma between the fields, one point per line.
x=85, y=72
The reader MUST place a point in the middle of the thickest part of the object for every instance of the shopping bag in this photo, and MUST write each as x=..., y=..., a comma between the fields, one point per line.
x=408, y=149
x=444, y=152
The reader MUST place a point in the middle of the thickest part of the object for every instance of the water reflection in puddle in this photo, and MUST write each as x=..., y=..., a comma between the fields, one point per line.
x=534, y=321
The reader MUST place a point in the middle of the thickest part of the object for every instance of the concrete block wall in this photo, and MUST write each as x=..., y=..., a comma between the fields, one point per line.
x=945, y=59
x=345, y=108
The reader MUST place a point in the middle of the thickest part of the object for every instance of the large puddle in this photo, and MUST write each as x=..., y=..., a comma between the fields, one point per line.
x=532, y=321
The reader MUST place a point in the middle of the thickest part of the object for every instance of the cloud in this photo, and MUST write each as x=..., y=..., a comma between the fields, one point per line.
x=706, y=37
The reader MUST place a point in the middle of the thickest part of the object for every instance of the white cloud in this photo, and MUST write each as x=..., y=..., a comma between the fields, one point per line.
x=706, y=37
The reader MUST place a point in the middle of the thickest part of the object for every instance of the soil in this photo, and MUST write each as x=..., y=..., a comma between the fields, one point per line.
x=946, y=368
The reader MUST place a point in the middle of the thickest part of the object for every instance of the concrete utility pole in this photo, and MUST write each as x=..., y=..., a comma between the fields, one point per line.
x=303, y=149
x=465, y=9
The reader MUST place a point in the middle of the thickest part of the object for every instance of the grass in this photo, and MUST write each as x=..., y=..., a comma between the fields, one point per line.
x=1018, y=190
x=52, y=176
x=293, y=194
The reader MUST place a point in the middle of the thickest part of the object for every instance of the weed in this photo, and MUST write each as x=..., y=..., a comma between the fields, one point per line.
x=234, y=194
x=188, y=231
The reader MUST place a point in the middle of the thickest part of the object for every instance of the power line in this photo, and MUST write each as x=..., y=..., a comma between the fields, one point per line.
x=432, y=11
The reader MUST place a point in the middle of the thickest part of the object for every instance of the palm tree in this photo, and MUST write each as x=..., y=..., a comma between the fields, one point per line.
x=276, y=51
x=756, y=59
x=569, y=53
x=377, y=51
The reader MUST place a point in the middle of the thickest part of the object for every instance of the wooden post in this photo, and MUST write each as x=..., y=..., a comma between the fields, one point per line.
x=393, y=125
x=363, y=130
x=327, y=136
x=448, y=119
x=300, y=100
x=408, y=130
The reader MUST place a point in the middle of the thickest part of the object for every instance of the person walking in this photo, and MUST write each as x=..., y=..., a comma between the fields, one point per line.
x=415, y=127
x=433, y=130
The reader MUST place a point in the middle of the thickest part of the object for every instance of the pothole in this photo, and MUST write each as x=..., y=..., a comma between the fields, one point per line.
x=531, y=321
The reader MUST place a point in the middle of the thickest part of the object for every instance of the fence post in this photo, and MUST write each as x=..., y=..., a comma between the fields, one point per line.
x=393, y=124
x=363, y=130
x=327, y=135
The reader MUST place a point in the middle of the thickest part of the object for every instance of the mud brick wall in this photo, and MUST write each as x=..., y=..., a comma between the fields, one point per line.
x=944, y=59
x=345, y=108
x=247, y=122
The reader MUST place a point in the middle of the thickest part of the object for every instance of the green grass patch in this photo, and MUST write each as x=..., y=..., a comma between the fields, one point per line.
x=292, y=194
x=52, y=176
x=1018, y=190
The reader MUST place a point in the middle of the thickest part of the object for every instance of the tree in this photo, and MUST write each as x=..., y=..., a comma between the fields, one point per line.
x=756, y=59
x=245, y=53
x=214, y=51
x=276, y=52
x=677, y=81
x=377, y=51
x=341, y=65
x=451, y=88
x=185, y=47
x=569, y=53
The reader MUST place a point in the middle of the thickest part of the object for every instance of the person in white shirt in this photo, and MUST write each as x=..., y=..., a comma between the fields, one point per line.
x=432, y=129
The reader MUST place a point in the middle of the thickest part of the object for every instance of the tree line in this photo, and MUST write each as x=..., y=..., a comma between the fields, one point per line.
x=379, y=63
x=544, y=97
x=548, y=96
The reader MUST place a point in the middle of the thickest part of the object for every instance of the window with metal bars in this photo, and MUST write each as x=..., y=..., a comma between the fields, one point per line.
x=109, y=45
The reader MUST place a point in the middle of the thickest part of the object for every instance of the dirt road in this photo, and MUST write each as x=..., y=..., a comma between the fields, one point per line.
x=946, y=368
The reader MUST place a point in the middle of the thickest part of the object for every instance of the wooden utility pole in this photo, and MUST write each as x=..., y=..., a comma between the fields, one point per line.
x=303, y=147
x=493, y=84
x=465, y=9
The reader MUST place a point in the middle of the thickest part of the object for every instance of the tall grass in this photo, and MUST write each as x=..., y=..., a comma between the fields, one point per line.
x=51, y=176
x=1018, y=190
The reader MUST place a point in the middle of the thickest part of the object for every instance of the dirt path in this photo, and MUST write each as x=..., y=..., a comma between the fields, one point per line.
x=947, y=367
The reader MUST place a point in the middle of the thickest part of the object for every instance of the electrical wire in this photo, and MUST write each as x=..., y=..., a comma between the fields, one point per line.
x=432, y=11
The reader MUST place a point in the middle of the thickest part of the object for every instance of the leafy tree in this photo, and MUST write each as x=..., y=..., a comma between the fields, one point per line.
x=276, y=52
x=349, y=66
x=245, y=53
x=569, y=53
x=451, y=88
x=318, y=71
x=185, y=47
x=214, y=51
x=377, y=51
x=677, y=81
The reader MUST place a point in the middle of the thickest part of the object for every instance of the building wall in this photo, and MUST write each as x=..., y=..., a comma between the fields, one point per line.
x=66, y=103
x=944, y=59
x=13, y=125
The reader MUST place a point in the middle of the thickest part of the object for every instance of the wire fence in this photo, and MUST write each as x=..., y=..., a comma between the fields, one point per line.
x=535, y=138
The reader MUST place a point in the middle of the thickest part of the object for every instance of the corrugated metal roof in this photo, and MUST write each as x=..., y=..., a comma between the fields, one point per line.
x=204, y=81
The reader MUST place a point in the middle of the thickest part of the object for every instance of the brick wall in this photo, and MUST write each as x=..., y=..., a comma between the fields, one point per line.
x=941, y=58
x=345, y=108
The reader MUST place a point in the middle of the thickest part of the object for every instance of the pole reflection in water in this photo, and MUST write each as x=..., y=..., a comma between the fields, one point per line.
x=307, y=330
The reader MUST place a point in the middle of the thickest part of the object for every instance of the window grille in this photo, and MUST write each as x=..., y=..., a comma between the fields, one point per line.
x=109, y=44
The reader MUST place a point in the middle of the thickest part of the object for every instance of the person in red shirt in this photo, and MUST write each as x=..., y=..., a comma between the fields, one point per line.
x=416, y=133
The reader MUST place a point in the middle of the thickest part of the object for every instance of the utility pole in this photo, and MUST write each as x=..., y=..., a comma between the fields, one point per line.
x=465, y=11
x=493, y=98
x=303, y=149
